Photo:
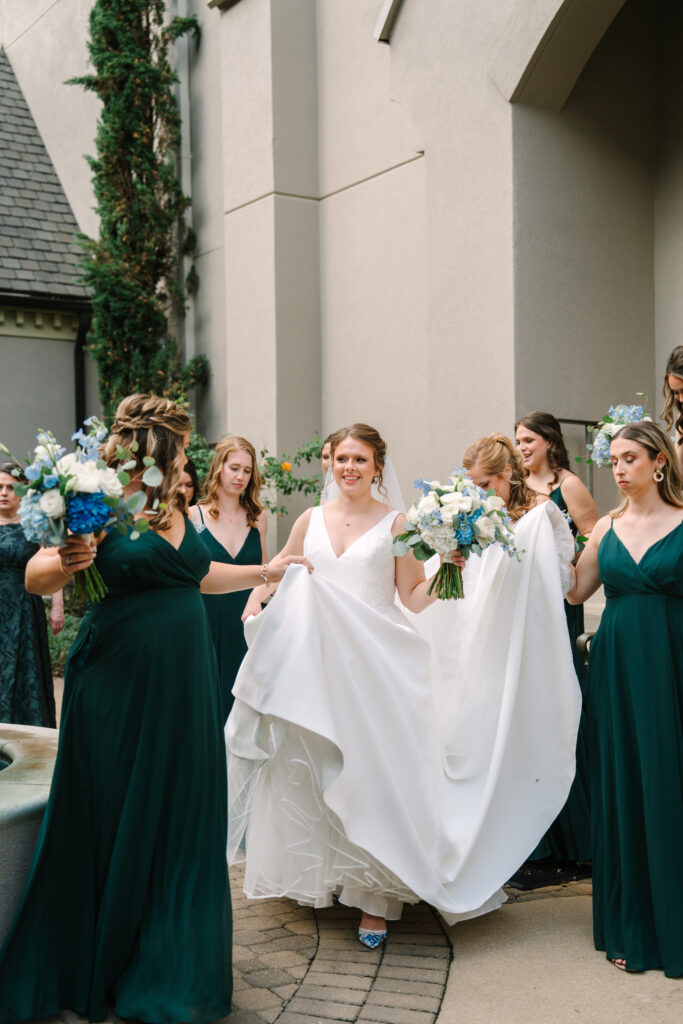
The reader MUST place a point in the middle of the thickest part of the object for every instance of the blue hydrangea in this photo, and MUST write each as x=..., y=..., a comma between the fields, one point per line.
x=86, y=512
x=35, y=524
x=463, y=535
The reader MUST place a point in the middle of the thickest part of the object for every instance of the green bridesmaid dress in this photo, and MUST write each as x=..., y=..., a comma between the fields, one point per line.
x=568, y=838
x=635, y=714
x=26, y=689
x=127, y=903
x=224, y=611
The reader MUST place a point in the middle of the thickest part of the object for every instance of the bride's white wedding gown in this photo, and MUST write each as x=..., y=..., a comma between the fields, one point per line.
x=349, y=768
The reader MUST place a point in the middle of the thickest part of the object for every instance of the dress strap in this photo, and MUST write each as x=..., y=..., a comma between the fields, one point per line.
x=201, y=515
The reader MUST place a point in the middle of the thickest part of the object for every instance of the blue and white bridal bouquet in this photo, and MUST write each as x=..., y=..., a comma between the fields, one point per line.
x=76, y=492
x=454, y=515
x=616, y=416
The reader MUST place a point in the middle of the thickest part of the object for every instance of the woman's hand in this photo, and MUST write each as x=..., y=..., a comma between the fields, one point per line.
x=456, y=557
x=279, y=565
x=78, y=553
x=252, y=607
x=56, y=618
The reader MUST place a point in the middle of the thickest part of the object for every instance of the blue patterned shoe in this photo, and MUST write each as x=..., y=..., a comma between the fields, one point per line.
x=371, y=939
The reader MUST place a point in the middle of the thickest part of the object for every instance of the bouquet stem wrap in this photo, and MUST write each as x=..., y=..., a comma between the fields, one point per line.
x=447, y=582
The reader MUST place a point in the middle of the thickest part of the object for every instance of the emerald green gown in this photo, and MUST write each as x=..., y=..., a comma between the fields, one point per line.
x=635, y=713
x=127, y=902
x=224, y=611
x=569, y=836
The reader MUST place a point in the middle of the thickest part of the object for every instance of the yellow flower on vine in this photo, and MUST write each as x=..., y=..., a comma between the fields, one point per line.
x=286, y=466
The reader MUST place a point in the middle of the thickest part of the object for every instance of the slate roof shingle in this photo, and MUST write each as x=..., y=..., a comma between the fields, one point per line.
x=38, y=251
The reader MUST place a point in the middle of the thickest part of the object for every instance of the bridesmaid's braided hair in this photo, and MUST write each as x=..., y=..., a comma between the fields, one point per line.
x=494, y=453
x=672, y=407
x=159, y=427
x=249, y=498
x=651, y=436
x=368, y=435
x=548, y=427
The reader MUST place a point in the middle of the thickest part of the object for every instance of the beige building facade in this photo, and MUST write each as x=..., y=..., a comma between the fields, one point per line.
x=432, y=215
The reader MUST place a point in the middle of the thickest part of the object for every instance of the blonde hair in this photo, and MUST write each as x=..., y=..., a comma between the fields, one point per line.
x=674, y=364
x=158, y=426
x=654, y=440
x=367, y=435
x=494, y=453
x=249, y=498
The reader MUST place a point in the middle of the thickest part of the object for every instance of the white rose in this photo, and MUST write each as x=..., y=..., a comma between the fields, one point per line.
x=52, y=504
x=428, y=504
x=609, y=429
x=110, y=483
x=493, y=503
x=485, y=530
x=66, y=463
x=448, y=513
x=86, y=478
x=41, y=452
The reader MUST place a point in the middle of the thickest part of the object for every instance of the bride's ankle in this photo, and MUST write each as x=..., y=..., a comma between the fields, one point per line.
x=371, y=923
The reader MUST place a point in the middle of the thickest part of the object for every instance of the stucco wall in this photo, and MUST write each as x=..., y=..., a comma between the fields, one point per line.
x=584, y=223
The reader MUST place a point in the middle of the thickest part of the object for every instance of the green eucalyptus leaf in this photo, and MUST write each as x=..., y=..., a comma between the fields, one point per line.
x=141, y=525
x=152, y=476
x=134, y=446
x=20, y=489
x=400, y=548
x=148, y=460
x=134, y=535
x=136, y=502
x=123, y=477
x=110, y=502
x=130, y=464
x=422, y=552
x=101, y=464
x=122, y=529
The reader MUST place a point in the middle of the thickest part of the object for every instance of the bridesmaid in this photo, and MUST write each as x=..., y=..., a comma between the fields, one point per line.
x=232, y=523
x=26, y=688
x=127, y=903
x=565, y=848
x=492, y=462
x=635, y=707
x=673, y=393
x=189, y=484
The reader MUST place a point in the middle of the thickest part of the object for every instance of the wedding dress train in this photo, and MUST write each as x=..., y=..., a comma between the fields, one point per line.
x=367, y=761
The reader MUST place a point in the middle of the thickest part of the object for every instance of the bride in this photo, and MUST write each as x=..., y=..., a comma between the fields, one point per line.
x=340, y=779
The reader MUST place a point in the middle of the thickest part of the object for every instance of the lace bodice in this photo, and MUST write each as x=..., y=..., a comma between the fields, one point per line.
x=367, y=569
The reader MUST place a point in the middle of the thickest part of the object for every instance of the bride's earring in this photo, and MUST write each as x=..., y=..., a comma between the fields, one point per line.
x=658, y=475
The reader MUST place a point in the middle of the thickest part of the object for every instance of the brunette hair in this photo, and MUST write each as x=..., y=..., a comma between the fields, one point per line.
x=548, y=427
x=495, y=452
x=191, y=471
x=11, y=469
x=674, y=364
x=368, y=435
x=158, y=426
x=651, y=436
x=329, y=440
x=249, y=498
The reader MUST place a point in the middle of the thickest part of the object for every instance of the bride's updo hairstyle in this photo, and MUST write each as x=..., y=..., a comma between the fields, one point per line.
x=249, y=498
x=368, y=435
x=655, y=441
x=159, y=426
x=494, y=453
x=548, y=427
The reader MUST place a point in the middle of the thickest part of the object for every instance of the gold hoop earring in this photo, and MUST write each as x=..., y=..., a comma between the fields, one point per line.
x=658, y=475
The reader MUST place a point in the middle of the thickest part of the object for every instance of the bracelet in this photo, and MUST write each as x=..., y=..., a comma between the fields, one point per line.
x=264, y=574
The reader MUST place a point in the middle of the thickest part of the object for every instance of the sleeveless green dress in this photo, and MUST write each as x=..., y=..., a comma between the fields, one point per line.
x=635, y=713
x=569, y=837
x=224, y=611
x=26, y=690
x=127, y=903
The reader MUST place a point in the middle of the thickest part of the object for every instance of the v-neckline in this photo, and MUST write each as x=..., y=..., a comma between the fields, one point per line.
x=329, y=539
x=157, y=533
x=222, y=545
x=648, y=549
